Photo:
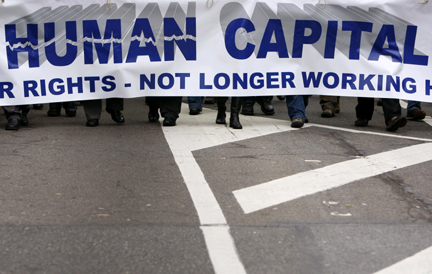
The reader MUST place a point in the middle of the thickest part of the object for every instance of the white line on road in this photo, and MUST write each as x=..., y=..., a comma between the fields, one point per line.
x=199, y=132
x=420, y=263
x=182, y=141
x=371, y=133
x=428, y=120
x=279, y=191
x=223, y=251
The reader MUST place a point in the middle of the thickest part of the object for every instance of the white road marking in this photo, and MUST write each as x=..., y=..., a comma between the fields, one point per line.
x=199, y=132
x=428, y=120
x=341, y=214
x=371, y=133
x=183, y=139
x=223, y=251
x=282, y=190
x=420, y=263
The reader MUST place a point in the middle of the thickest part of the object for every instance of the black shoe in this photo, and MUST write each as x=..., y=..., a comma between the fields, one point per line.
x=267, y=107
x=235, y=122
x=194, y=111
x=169, y=121
x=247, y=109
x=220, y=118
x=54, y=112
x=361, y=122
x=153, y=116
x=13, y=124
x=396, y=122
x=37, y=106
x=24, y=120
x=281, y=98
x=70, y=109
x=92, y=123
x=116, y=115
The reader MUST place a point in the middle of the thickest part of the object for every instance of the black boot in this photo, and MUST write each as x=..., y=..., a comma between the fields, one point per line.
x=220, y=118
x=266, y=105
x=236, y=103
x=70, y=109
x=54, y=109
x=24, y=120
x=153, y=115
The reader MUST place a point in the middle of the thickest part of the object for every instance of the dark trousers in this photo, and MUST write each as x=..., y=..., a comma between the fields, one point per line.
x=15, y=112
x=169, y=106
x=365, y=108
x=259, y=99
x=220, y=100
x=223, y=100
x=93, y=108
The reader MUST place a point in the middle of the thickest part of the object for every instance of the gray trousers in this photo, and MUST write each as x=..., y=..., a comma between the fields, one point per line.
x=93, y=108
x=329, y=102
x=15, y=112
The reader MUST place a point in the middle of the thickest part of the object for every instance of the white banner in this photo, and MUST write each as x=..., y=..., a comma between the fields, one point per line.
x=54, y=51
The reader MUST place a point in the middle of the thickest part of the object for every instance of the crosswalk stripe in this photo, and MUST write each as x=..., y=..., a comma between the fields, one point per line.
x=282, y=190
x=420, y=263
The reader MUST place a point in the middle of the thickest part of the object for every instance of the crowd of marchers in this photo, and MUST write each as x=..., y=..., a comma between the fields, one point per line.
x=169, y=108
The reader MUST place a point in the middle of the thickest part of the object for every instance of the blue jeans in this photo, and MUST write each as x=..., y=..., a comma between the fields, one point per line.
x=296, y=105
x=195, y=102
x=412, y=105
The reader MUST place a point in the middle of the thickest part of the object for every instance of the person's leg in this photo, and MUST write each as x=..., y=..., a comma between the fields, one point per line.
x=412, y=105
x=414, y=111
x=14, y=115
x=306, y=100
x=391, y=108
x=236, y=103
x=70, y=108
x=266, y=105
x=115, y=103
x=295, y=106
x=364, y=111
x=25, y=109
x=393, y=114
x=170, y=108
x=195, y=105
x=221, y=104
x=296, y=110
x=247, y=107
x=114, y=107
x=328, y=105
x=306, y=103
x=337, y=105
x=153, y=104
x=92, y=108
x=54, y=109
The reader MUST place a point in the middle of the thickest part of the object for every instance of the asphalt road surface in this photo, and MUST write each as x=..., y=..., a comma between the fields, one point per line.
x=204, y=198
